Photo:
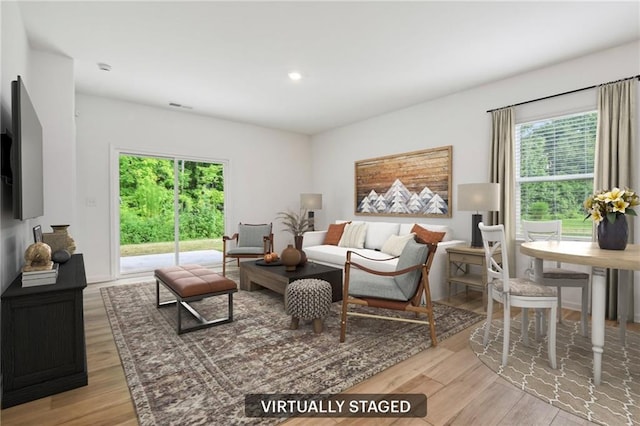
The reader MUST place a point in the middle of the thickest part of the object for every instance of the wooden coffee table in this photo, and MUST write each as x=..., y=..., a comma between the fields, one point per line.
x=276, y=278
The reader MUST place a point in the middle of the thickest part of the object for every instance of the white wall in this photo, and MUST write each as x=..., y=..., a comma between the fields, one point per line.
x=52, y=91
x=459, y=120
x=15, y=61
x=268, y=169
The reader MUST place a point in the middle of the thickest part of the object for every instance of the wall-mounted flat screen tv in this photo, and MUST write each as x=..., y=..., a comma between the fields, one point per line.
x=26, y=152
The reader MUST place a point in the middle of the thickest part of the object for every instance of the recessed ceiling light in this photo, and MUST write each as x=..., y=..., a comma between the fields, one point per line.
x=104, y=67
x=295, y=75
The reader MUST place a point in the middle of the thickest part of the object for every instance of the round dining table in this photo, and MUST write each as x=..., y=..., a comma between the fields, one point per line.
x=590, y=254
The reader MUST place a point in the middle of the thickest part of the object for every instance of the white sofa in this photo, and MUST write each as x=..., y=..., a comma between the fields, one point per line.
x=377, y=234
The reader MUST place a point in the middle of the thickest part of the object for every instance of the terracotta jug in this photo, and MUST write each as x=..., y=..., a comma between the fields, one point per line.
x=290, y=258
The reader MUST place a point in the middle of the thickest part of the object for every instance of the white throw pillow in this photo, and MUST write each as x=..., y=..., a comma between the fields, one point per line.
x=353, y=235
x=396, y=243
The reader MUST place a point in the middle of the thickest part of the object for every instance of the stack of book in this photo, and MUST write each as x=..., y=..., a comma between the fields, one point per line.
x=34, y=278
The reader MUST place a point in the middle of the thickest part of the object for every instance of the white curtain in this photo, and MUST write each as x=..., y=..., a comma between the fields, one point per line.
x=614, y=156
x=502, y=172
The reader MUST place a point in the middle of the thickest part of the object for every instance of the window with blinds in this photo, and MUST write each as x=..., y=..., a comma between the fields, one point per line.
x=554, y=170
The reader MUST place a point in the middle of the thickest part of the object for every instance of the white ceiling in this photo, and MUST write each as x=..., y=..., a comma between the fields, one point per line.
x=358, y=59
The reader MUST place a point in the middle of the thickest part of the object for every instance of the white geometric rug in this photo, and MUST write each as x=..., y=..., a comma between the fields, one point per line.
x=615, y=401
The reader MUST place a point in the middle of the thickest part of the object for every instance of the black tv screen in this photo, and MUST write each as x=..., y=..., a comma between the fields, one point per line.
x=26, y=151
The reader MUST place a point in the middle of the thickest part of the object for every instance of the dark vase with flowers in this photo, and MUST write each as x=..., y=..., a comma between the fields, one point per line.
x=613, y=235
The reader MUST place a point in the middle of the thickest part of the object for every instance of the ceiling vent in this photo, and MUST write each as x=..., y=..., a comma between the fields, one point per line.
x=177, y=105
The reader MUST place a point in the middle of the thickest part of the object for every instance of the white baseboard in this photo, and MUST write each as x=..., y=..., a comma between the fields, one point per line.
x=99, y=279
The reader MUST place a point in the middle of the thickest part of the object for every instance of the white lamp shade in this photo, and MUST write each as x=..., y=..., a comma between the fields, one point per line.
x=479, y=197
x=311, y=201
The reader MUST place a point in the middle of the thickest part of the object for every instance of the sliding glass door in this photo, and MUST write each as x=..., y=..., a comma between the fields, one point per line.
x=200, y=208
x=171, y=212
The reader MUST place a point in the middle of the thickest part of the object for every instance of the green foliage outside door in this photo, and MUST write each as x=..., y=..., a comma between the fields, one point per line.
x=148, y=200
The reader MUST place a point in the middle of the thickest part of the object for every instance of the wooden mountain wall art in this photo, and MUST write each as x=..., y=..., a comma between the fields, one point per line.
x=410, y=184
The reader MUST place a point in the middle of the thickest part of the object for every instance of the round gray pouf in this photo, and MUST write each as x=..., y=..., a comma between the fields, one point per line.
x=308, y=299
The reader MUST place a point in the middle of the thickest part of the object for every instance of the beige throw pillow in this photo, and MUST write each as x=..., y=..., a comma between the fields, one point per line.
x=396, y=243
x=353, y=235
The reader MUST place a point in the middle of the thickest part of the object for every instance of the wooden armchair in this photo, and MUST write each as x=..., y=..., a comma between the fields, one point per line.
x=405, y=289
x=251, y=241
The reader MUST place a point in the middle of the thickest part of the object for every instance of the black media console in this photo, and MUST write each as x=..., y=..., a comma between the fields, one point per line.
x=43, y=346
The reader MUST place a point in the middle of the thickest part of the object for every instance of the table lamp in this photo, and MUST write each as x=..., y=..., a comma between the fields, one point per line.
x=478, y=197
x=311, y=202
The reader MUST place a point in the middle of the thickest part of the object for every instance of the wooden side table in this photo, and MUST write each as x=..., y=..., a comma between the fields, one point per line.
x=460, y=260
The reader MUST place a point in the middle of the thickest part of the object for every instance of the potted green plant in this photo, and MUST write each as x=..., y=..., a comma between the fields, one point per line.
x=295, y=223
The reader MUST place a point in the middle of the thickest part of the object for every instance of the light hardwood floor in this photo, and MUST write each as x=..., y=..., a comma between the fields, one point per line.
x=460, y=389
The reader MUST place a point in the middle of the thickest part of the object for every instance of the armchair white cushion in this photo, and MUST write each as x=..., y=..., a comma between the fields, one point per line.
x=399, y=287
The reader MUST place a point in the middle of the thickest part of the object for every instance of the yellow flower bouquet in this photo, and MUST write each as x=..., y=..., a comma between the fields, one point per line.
x=610, y=204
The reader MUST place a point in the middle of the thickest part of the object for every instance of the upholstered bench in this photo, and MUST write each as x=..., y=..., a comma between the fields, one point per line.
x=308, y=299
x=189, y=283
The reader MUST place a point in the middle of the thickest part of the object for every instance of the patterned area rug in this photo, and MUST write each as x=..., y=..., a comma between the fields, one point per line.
x=570, y=387
x=202, y=377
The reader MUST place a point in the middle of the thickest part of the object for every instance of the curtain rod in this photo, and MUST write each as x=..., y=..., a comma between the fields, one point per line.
x=564, y=93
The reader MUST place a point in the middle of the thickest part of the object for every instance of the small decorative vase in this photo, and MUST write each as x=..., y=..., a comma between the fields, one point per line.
x=290, y=258
x=613, y=236
x=60, y=239
x=298, y=242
